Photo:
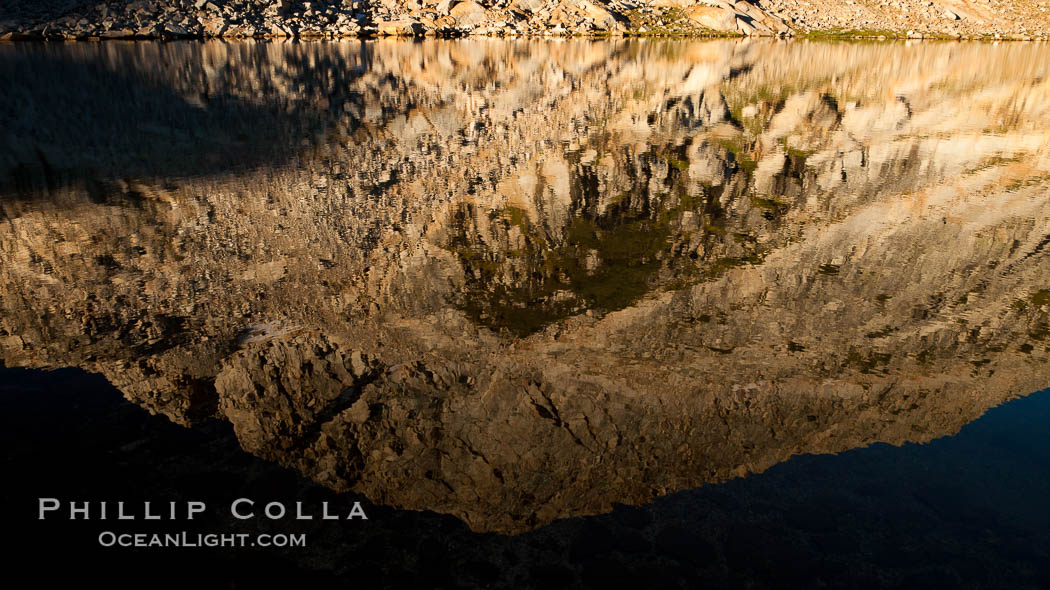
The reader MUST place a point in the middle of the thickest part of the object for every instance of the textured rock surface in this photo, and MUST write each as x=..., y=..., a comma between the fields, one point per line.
x=516, y=282
x=66, y=19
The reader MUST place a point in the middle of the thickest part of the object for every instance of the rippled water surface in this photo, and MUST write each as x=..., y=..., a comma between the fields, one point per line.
x=523, y=283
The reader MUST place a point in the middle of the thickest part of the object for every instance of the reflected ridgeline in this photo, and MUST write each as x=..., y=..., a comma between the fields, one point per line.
x=517, y=281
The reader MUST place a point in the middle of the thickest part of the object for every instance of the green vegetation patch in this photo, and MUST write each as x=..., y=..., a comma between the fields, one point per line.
x=740, y=152
x=668, y=22
x=1040, y=297
x=854, y=34
x=522, y=274
x=771, y=206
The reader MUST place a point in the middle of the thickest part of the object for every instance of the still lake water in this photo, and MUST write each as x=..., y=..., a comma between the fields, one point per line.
x=562, y=313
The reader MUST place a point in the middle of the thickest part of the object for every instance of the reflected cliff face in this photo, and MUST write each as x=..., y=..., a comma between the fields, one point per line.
x=517, y=282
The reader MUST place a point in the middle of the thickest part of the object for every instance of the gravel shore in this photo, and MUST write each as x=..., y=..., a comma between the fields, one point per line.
x=158, y=19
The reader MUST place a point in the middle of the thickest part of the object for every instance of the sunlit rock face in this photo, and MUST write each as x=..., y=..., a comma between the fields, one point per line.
x=517, y=282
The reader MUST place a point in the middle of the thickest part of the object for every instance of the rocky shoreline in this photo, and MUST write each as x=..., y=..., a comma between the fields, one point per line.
x=318, y=19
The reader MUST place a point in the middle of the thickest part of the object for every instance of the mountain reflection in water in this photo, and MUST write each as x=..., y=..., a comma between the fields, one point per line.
x=522, y=281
